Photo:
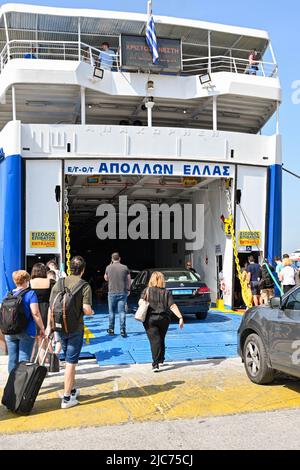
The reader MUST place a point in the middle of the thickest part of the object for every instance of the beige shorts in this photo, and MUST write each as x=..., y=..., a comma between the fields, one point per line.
x=266, y=295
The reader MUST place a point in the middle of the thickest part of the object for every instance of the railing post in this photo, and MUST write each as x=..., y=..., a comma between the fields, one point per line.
x=234, y=63
x=215, y=113
x=79, y=40
x=263, y=69
x=36, y=35
x=91, y=57
x=209, y=52
x=64, y=49
x=275, y=70
x=7, y=37
x=82, y=105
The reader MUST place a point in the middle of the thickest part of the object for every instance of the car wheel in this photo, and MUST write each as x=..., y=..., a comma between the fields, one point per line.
x=201, y=315
x=256, y=361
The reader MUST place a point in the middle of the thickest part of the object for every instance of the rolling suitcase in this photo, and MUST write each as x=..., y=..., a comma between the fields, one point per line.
x=24, y=383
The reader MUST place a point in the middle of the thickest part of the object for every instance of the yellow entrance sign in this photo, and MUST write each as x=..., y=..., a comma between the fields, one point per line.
x=43, y=239
x=250, y=238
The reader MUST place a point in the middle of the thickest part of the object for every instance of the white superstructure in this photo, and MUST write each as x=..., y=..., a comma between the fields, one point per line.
x=61, y=118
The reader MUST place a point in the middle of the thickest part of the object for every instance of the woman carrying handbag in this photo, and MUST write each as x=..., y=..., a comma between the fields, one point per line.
x=159, y=306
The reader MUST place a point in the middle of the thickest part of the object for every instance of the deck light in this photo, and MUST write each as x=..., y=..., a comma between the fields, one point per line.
x=205, y=79
x=150, y=85
x=98, y=73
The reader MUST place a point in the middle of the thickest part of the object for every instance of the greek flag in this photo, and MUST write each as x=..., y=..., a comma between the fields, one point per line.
x=151, y=35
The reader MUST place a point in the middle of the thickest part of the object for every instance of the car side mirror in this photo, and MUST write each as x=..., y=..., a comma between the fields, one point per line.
x=276, y=302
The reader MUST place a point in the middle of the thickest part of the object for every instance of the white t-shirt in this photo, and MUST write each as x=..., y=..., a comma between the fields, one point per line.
x=288, y=274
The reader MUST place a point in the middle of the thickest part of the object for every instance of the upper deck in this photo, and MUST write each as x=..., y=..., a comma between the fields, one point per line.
x=66, y=43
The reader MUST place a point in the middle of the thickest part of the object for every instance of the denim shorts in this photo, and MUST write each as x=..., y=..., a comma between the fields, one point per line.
x=255, y=288
x=71, y=346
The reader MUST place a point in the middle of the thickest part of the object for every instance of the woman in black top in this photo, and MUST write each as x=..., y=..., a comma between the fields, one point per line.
x=42, y=286
x=158, y=316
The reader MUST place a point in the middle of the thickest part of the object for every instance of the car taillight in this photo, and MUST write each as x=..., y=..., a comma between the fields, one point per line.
x=203, y=290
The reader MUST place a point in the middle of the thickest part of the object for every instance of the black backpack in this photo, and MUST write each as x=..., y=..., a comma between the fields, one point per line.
x=65, y=311
x=13, y=319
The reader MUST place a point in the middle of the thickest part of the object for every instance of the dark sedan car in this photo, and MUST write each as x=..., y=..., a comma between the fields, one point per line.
x=189, y=292
x=269, y=339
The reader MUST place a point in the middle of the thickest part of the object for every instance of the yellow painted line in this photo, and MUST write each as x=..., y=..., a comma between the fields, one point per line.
x=88, y=335
x=229, y=312
x=110, y=398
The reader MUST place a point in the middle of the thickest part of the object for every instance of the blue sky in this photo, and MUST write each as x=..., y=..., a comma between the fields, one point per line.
x=281, y=20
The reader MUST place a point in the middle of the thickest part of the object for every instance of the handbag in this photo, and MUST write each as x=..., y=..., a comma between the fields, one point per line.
x=51, y=359
x=142, y=310
x=53, y=363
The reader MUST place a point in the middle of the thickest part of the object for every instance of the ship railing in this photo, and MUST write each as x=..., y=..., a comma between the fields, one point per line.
x=75, y=51
x=55, y=50
x=215, y=64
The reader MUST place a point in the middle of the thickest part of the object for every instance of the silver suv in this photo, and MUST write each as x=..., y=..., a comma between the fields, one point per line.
x=269, y=339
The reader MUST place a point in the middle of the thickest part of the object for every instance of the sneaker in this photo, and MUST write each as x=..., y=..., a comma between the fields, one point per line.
x=68, y=403
x=155, y=368
x=75, y=395
x=110, y=332
x=123, y=333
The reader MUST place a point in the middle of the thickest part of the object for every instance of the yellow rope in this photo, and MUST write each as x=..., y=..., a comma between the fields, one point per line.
x=246, y=291
x=67, y=239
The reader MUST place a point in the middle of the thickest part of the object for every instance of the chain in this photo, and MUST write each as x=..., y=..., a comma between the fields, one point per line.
x=67, y=233
x=246, y=292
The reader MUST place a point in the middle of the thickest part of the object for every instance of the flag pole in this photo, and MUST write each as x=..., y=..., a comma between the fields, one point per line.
x=149, y=101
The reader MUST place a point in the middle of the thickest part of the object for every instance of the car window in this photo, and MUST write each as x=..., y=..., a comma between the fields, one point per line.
x=134, y=274
x=143, y=278
x=180, y=276
x=293, y=302
x=135, y=282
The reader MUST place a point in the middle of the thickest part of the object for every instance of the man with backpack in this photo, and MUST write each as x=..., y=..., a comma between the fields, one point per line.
x=267, y=284
x=70, y=300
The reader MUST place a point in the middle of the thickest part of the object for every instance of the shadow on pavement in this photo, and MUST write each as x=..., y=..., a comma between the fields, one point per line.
x=80, y=383
x=213, y=362
x=52, y=404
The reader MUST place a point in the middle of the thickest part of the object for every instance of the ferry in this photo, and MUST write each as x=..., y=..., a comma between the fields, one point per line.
x=88, y=117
